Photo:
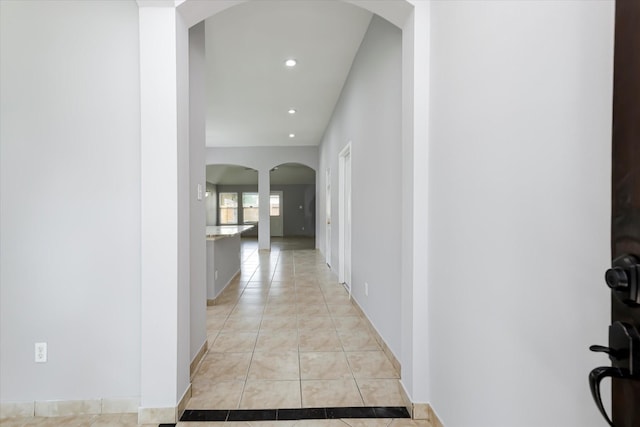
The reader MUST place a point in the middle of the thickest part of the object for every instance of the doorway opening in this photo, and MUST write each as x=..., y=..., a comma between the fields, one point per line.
x=292, y=207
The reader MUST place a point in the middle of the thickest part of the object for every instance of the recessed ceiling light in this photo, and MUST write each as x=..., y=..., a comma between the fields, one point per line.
x=290, y=62
x=292, y=135
x=292, y=111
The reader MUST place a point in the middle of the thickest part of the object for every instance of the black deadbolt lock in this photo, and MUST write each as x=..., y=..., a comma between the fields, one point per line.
x=624, y=279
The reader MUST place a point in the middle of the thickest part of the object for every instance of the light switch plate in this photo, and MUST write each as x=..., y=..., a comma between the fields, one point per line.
x=41, y=352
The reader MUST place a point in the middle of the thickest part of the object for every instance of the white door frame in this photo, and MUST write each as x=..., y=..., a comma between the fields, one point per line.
x=344, y=199
x=327, y=210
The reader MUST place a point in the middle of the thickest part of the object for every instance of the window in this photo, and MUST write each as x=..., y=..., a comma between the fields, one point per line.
x=228, y=208
x=274, y=205
x=250, y=208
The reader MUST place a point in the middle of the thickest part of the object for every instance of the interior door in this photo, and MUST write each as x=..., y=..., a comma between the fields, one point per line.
x=624, y=276
x=625, y=219
x=276, y=214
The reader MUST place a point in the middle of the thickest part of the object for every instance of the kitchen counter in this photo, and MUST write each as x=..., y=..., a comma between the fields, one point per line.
x=223, y=256
x=219, y=231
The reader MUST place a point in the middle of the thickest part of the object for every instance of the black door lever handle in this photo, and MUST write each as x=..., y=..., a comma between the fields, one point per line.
x=602, y=349
x=595, y=377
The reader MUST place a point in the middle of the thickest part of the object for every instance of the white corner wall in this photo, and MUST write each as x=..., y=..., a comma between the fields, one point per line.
x=197, y=171
x=519, y=209
x=369, y=115
x=69, y=199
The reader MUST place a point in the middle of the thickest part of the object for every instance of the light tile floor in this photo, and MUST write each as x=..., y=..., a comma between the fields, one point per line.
x=282, y=335
x=130, y=420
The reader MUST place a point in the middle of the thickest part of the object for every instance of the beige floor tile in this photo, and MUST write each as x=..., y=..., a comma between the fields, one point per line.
x=216, y=322
x=341, y=307
x=212, y=335
x=271, y=394
x=310, y=300
x=319, y=309
x=380, y=392
x=68, y=421
x=272, y=423
x=319, y=340
x=309, y=295
x=280, y=310
x=278, y=323
x=225, y=366
x=358, y=341
x=281, y=290
x=235, y=342
x=219, y=310
x=368, y=422
x=321, y=393
x=314, y=322
x=242, y=323
x=278, y=340
x=255, y=300
x=321, y=423
x=403, y=422
x=213, y=424
x=349, y=323
x=288, y=299
x=283, y=365
x=12, y=422
x=370, y=364
x=337, y=299
x=249, y=310
x=116, y=420
x=324, y=366
x=220, y=395
x=256, y=291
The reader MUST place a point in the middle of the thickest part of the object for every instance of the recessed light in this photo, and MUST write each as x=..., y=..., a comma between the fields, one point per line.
x=292, y=111
x=292, y=135
x=290, y=62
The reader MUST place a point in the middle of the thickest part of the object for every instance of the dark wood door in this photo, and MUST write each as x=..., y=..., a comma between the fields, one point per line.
x=625, y=220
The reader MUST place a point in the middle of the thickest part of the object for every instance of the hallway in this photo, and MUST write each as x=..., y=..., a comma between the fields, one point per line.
x=284, y=334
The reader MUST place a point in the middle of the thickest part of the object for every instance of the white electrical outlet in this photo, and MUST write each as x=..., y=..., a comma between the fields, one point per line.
x=199, y=191
x=366, y=289
x=41, y=352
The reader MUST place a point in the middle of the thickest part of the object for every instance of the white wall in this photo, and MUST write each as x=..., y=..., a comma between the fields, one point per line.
x=368, y=115
x=185, y=197
x=520, y=200
x=197, y=171
x=263, y=158
x=69, y=199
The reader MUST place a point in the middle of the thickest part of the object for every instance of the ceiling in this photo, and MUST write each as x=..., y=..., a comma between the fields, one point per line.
x=288, y=173
x=249, y=88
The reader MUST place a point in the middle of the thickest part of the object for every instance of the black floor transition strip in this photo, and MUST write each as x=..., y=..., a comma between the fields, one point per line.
x=292, y=414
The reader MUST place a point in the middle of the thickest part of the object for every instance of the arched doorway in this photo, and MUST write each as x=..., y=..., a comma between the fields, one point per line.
x=165, y=76
x=292, y=208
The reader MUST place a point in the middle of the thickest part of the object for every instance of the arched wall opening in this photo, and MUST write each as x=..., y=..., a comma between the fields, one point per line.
x=292, y=206
x=173, y=153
